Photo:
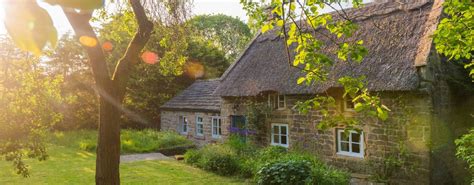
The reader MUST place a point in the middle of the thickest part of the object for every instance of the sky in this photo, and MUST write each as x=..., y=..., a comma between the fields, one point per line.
x=228, y=7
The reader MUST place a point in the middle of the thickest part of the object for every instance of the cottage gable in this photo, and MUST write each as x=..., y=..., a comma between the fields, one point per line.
x=198, y=96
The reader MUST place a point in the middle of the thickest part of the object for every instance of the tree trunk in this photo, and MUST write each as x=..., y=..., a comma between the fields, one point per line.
x=108, y=148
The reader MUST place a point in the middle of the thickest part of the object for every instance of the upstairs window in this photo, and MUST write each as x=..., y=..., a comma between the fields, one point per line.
x=183, y=124
x=350, y=143
x=348, y=104
x=280, y=135
x=199, y=126
x=277, y=101
x=216, y=127
x=272, y=101
x=281, y=101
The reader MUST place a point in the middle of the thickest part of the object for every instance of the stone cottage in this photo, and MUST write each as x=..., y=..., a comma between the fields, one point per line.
x=195, y=113
x=414, y=146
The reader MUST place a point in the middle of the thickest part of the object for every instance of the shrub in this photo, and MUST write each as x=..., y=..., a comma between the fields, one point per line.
x=219, y=159
x=325, y=175
x=192, y=157
x=285, y=172
x=88, y=145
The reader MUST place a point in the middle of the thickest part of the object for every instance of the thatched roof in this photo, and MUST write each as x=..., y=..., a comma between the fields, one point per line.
x=197, y=97
x=394, y=35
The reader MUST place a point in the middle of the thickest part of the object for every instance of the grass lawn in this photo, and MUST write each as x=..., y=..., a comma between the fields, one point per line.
x=70, y=165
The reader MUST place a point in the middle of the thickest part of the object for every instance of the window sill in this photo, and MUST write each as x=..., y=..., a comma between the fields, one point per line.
x=277, y=144
x=351, y=155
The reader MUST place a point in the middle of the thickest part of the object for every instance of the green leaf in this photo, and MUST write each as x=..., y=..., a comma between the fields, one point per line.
x=280, y=23
x=301, y=80
x=78, y=4
x=382, y=114
x=30, y=26
x=266, y=27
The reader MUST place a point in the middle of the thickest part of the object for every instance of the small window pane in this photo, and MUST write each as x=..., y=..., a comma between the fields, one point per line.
x=199, y=119
x=344, y=136
x=276, y=138
x=276, y=130
x=345, y=147
x=283, y=140
x=355, y=148
x=355, y=137
x=283, y=130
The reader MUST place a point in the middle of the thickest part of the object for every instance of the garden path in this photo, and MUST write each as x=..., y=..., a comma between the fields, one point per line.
x=143, y=157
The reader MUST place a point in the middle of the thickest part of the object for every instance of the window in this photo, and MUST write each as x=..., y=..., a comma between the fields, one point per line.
x=276, y=101
x=348, y=104
x=280, y=135
x=281, y=101
x=216, y=127
x=183, y=124
x=199, y=126
x=350, y=143
x=272, y=101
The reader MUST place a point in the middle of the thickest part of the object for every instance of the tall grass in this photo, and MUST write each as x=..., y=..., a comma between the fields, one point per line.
x=132, y=141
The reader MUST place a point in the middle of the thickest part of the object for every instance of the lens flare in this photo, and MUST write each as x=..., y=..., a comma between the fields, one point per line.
x=88, y=41
x=107, y=46
x=194, y=69
x=149, y=57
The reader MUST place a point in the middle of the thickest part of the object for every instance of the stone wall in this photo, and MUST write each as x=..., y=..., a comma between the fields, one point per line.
x=170, y=122
x=408, y=128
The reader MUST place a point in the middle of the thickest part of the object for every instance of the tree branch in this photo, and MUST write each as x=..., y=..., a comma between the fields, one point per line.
x=136, y=45
x=81, y=26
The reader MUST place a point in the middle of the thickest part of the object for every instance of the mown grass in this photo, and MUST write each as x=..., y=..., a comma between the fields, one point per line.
x=68, y=164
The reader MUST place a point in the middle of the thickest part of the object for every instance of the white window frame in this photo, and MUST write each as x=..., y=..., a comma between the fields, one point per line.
x=279, y=125
x=182, y=124
x=217, y=127
x=273, y=101
x=278, y=101
x=350, y=153
x=197, y=126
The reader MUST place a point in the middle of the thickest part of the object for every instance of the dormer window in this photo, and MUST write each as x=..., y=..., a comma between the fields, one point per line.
x=348, y=103
x=277, y=101
x=281, y=101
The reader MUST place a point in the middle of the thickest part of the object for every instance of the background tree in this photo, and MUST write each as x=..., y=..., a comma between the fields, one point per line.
x=69, y=60
x=152, y=85
x=111, y=87
x=30, y=103
x=227, y=33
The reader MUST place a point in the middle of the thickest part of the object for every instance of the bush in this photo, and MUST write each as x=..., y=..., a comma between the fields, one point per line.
x=285, y=172
x=192, y=157
x=219, y=159
x=325, y=175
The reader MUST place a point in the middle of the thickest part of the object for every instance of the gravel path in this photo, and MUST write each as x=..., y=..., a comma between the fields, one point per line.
x=143, y=157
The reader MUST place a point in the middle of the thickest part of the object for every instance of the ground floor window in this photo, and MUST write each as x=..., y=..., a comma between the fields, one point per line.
x=199, y=126
x=280, y=135
x=350, y=143
x=216, y=127
x=183, y=124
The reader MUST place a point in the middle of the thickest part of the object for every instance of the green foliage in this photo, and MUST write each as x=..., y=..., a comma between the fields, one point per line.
x=327, y=175
x=285, y=172
x=132, y=141
x=215, y=158
x=30, y=26
x=255, y=115
x=30, y=102
x=465, y=150
x=224, y=32
x=454, y=36
x=80, y=109
x=248, y=161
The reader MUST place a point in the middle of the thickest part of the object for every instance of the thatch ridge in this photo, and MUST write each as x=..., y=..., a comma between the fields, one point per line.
x=392, y=33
